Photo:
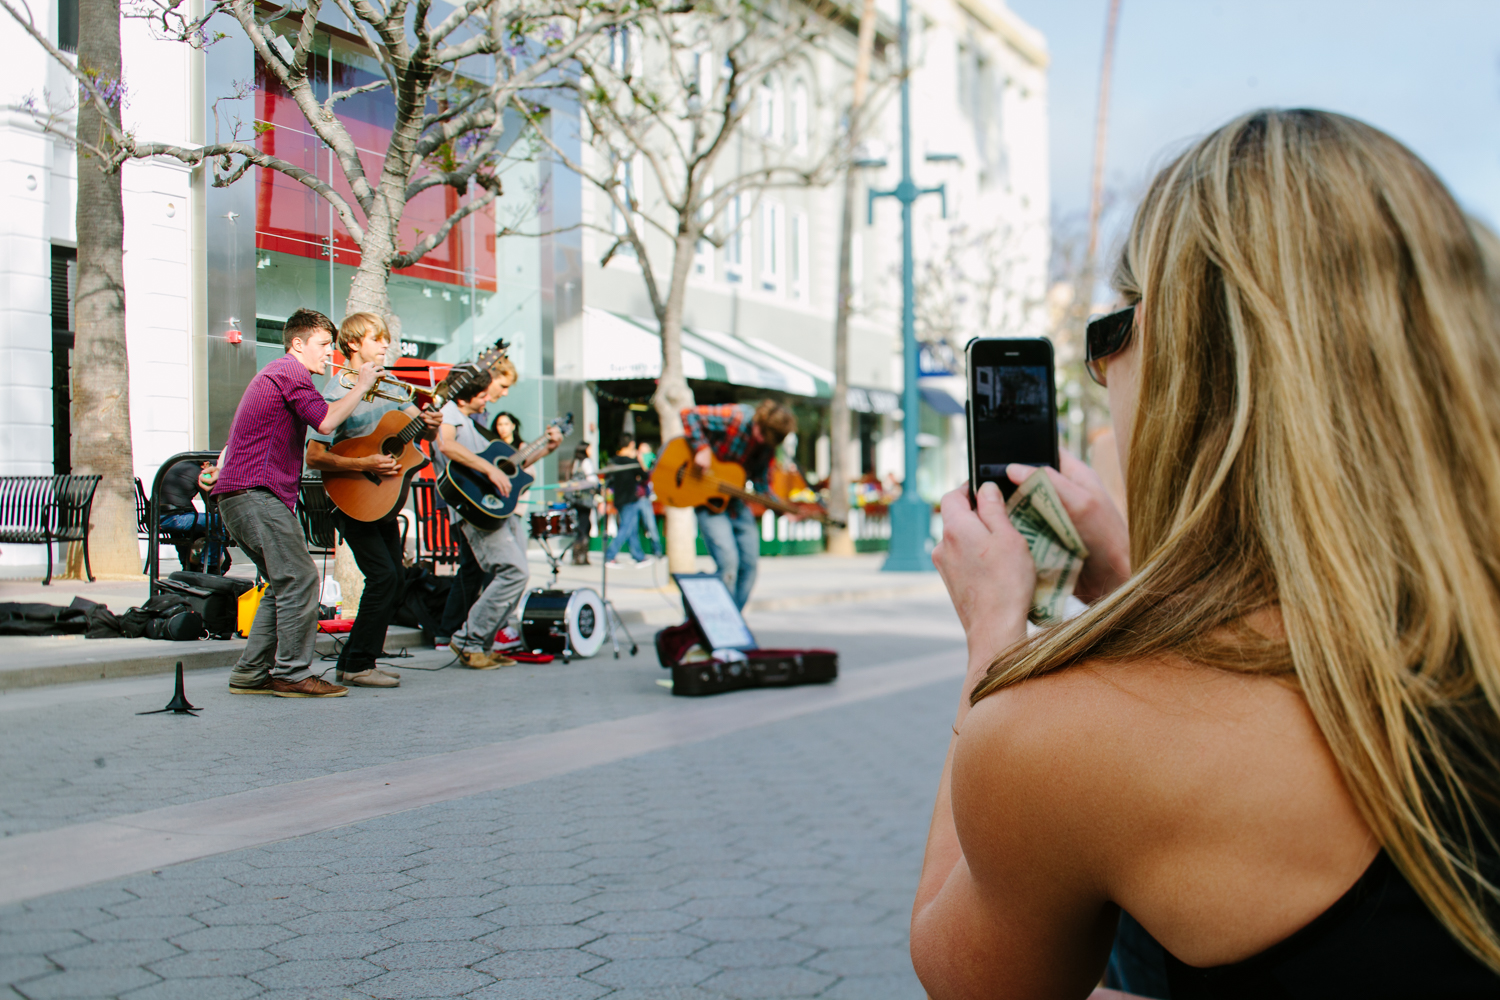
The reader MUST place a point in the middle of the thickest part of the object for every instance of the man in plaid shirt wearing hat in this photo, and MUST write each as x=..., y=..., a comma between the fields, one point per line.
x=749, y=436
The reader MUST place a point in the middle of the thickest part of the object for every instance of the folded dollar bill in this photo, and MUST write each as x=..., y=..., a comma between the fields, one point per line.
x=1038, y=514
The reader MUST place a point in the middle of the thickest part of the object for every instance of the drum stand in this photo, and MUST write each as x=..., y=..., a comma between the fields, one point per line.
x=611, y=616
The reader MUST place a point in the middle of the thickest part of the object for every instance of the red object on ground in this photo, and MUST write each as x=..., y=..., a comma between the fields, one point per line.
x=336, y=625
x=520, y=657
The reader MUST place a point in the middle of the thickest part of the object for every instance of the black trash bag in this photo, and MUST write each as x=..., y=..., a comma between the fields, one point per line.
x=41, y=619
x=102, y=622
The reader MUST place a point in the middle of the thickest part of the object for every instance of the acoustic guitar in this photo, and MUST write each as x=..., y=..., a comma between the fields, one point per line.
x=471, y=493
x=679, y=482
x=369, y=496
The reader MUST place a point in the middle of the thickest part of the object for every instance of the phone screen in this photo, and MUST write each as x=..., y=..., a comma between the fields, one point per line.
x=1012, y=408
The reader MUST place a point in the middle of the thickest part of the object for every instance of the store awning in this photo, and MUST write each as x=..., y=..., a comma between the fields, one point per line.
x=941, y=401
x=616, y=346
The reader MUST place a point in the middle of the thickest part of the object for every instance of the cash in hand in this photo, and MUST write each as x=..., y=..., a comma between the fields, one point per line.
x=1056, y=548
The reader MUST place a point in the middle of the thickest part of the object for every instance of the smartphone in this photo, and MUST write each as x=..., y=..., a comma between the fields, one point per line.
x=1012, y=408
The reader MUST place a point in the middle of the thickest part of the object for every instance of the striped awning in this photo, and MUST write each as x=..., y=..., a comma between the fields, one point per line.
x=616, y=346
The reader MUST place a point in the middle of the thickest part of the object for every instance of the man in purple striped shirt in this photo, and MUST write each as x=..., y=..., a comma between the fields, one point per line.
x=257, y=495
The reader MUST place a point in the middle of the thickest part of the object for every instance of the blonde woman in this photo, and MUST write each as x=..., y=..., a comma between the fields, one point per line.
x=1272, y=738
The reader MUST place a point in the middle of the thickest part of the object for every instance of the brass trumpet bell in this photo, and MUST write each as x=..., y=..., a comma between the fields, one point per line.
x=385, y=387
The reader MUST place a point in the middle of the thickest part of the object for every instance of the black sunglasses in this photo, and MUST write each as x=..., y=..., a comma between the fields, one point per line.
x=1106, y=335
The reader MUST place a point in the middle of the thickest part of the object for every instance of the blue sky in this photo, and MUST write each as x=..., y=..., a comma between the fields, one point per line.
x=1427, y=73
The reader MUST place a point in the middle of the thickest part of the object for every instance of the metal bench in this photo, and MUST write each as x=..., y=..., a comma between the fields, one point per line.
x=40, y=510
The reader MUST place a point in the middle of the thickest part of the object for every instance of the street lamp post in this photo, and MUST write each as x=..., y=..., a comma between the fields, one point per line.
x=910, y=517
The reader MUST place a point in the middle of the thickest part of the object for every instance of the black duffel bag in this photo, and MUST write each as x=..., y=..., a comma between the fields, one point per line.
x=41, y=619
x=216, y=598
x=166, y=616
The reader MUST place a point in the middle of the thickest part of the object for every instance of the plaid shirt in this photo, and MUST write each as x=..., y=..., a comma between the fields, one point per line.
x=726, y=429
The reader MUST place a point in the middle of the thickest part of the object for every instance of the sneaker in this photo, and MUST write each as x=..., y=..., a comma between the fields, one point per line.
x=371, y=678
x=615, y=563
x=477, y=660
x=263, y=688
x=309, y=687
x=645, y=561
x=507, y=638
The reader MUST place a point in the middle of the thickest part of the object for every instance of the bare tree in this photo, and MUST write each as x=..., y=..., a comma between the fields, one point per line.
x=666, y=103
x=449, y=124
x=840, y=542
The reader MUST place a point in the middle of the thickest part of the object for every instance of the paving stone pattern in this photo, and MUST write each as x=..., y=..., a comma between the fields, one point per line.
x=69, y=761
x=774, y=862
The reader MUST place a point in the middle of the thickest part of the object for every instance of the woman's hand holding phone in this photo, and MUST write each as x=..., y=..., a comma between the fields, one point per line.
x=987, y=568
x=1099, y=522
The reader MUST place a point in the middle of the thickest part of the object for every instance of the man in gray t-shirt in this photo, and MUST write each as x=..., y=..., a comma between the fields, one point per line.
x=376, y=545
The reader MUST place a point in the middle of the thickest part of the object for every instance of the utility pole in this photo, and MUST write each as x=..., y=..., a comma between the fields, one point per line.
x=1083, y=295
x=911, y=518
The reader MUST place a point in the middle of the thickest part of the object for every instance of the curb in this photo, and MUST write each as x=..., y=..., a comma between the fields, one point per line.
x=204, y=655
x=209, y=654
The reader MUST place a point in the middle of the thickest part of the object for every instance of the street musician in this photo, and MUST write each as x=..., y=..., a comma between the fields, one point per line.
x=376, y=545
x=257, y=495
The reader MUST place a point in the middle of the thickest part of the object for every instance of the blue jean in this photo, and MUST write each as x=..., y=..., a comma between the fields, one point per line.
x=187, y=527
x=633, y=516
x=733, y=540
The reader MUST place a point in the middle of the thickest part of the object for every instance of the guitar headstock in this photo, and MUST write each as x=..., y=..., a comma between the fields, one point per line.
x=462, y=375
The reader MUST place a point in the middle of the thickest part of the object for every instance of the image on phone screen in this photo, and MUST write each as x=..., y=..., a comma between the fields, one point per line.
x=1012, y=414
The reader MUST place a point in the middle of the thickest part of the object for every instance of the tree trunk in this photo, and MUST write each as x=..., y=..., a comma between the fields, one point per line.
x=101, y=375
x=673, y=395
x=840, y=540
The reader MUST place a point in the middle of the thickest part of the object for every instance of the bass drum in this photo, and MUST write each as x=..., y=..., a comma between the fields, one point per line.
x=563, y=622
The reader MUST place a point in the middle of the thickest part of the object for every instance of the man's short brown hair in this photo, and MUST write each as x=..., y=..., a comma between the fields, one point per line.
x=480, y=383
x=303, y=324
x=775, y=421
x=505, y=368
x=357, y=326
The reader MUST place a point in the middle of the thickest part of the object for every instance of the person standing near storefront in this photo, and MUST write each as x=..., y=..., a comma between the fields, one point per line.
x=256, y=490
x=632, y=498
x=376, y=545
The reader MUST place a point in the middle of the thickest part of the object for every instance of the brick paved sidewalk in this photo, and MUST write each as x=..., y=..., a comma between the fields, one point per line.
x=775, y=861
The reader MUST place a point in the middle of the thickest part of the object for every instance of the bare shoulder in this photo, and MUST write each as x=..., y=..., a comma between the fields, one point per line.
x=1189, y=796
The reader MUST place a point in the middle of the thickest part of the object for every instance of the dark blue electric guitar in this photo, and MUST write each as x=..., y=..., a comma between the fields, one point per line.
x=471, y=493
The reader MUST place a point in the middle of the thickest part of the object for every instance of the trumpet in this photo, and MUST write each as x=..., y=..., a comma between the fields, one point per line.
x=385, y=387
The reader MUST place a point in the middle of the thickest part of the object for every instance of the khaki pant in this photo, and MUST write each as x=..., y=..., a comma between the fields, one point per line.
x=503, y=553
x=286, y=624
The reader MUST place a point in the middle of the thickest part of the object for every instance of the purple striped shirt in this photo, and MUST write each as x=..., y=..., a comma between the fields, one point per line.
x=266, y=439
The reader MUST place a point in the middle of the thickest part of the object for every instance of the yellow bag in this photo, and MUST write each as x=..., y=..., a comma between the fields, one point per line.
x=248, y=605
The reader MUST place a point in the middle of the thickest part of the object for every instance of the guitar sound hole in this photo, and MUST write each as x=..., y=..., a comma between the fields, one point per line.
x=509, y=468
x=391, y=447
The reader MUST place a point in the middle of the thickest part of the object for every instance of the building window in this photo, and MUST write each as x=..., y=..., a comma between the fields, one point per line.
x=797, y=255
x=67, y=25
x=703, y=250
x=979, y=101
x=624, y=52
x=737, y=240
x=629, y=174
x=797, y=114
x=772, y=246
x=64, y=300
x=771, y=112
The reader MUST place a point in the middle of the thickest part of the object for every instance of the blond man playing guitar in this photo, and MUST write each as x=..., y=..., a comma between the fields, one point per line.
x=376, y=545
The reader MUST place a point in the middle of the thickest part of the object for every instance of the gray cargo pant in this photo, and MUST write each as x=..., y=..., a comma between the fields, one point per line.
x=286, y=625
x=503, y=553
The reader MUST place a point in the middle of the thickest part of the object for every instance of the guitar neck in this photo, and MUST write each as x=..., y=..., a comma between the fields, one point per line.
x=524, y=457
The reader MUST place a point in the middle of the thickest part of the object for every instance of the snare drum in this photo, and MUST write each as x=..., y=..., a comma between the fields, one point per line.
x=552, y=523
x=563, y=622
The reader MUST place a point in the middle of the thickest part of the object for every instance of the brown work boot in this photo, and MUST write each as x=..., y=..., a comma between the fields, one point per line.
x=477, y=660
x=370, y=678
x=309, y=687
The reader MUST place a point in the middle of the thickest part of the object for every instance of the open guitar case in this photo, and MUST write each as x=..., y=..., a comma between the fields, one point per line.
x=714, y=651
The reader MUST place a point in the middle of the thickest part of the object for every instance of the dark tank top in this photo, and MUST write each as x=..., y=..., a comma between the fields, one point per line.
x=1378, y=942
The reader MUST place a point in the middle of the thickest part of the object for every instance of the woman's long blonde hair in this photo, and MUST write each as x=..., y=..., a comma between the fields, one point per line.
x=1318, y=430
